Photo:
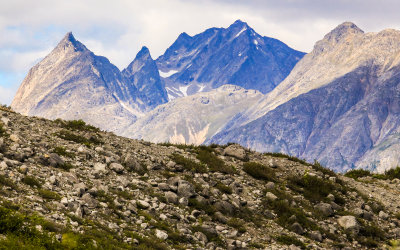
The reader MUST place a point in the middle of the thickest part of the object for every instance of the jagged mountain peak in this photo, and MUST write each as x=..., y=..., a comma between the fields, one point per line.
x=343, y=30
x=143, y=53
x=69, y=41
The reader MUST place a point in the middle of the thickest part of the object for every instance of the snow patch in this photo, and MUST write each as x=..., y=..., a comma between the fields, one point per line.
x=255, y=42
x=240, y=54
x=184, y=89
x=240, y=32
x=167, y=74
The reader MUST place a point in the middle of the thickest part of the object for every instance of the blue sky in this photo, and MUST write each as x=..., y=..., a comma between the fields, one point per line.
x=118, y=29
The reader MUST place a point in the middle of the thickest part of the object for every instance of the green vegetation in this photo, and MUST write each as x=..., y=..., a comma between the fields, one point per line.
x=259, y=171
x=49, y=195
x=369, y=234
x=289, y=240
x=388, y=175
x=237, y=224
x=189, y=164
x=77, y=125
x=5, y=181
x=312, y=187
x=31, y=181
x=68, y=136
x=63, y=152
x=326, y=171
x=289, y=157
x=206, y=155
x=210, y=236
x=2, y=130
x=357, y=173
x=224, y=188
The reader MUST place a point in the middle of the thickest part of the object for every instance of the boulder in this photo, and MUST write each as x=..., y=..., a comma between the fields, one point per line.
x=324, y=208
x=236, y=151
x=349, y=223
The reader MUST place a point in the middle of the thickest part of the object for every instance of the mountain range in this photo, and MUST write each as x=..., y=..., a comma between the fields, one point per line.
x=337, y=104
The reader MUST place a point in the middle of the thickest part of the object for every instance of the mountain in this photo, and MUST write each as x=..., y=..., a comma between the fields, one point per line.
x=73, y=83
x=65, y=185
x=143, y=77
x=236, y=55
x=193, y=119
x=339, y=104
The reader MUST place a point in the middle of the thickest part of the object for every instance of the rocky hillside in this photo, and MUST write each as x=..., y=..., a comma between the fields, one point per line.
x=193, y=119
x=67, y=185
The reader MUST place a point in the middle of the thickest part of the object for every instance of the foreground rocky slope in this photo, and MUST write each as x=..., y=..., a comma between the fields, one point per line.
x=67, y=185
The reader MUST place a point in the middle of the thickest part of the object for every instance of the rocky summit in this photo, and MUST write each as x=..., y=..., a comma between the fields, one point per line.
x=68, y=185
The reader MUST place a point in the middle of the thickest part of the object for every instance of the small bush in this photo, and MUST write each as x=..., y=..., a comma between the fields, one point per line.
x=68, y=136
x=224, y=188
x=189, y=164
x=214, y=237
x=357, y=173
x=66, y=166
x=393, y=173
x=49, y=195
x=209, y=209
x=238, y=224
x=77, y=125
x=2, y=130
x=326, y=171
x=289, y=240
x=206, y=156
x=313, y=188
x=5, y=181
x=31, y=181
x=259, y=171
x=62, y=151
x=289, y=157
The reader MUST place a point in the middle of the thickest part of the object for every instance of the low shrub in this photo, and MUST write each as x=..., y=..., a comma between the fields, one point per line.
x=2, y=130
x=237, y=224
x=259, y=171
x=188, y=164
x=313, y=188
x=68, y=136
x=357, y=173
x=63, y=152
x=224, y=188
x=77, y=125
x=206, y=156
x=289, y=240
x=31, y=181
x=49, y=195
x=5, y=181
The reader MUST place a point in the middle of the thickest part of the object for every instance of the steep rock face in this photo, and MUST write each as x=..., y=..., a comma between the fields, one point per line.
x=341, y=121
x=236, y=55
x=341, y=51
x=144, y=79
x=73, y=83
x=193, y=119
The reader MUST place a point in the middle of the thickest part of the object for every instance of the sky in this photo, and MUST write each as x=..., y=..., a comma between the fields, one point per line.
x=117, y=29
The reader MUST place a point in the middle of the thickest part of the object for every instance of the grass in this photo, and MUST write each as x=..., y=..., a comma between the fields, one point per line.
x=77, y=125
x=289, y=157
x=206, y=155
x=210, y=236
x=31, y=181
x=2, y=130
x=5, y=181
x=259, y=171
x=68, y=136
x=207, y=208
x=313, y=188
x=49, y=195
x=289, y=240
x=188, y=164
x=63, y=152
x=224, y=188
x=237, y=224
x=357, y=173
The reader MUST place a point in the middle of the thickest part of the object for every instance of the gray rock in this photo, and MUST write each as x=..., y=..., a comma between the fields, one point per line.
x=236, y=151
x=185, y=189
x=383, y=215
x=143, y=204
x=324, y=208
x=270, y=185
x=162, y=235
x=270, y=196
x=349, y=223
x=116, y=167
x=316, y=235
x=171, y=197
x=297, y=228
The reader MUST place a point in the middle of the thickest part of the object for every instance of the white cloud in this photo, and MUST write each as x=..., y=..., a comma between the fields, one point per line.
x=118, y=29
